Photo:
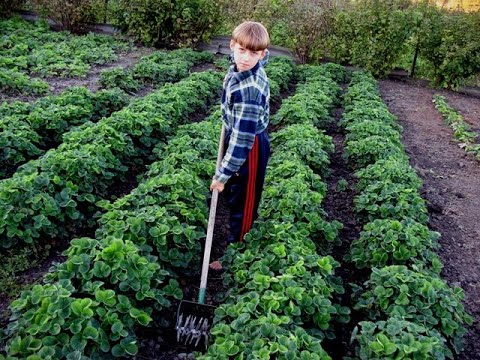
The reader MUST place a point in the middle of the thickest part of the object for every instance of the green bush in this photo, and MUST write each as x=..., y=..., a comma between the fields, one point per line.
x=69, y=14
x=452, y=48
x=167, y=22
x=372, y=34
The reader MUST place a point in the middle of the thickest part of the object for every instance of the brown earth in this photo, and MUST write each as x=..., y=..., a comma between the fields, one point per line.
x=451, y=186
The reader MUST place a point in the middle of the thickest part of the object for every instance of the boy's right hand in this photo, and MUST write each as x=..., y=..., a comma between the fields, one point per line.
x=217, y=185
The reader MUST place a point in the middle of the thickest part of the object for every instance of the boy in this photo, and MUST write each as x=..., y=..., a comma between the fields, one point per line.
x=245, y=114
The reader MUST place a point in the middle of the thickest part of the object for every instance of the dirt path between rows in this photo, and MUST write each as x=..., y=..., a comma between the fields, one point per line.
x=451, y=187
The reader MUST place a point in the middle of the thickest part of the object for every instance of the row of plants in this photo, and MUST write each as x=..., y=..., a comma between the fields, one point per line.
x=314, y=99
x=462, y=132
x=29, y=129
x=154, y=69
x=191, y=149
x=281, y=291
x=14, y=82
x=127, y=275
x=93, y=304
x=32, y=50
x=53, y=196
x=410, y=310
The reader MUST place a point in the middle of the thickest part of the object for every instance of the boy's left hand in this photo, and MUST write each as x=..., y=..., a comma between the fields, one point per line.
x=217, y=185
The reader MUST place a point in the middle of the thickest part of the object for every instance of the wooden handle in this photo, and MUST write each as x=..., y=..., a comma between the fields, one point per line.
x=211, y=224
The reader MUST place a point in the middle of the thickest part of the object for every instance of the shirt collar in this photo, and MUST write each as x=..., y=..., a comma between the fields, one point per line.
x=244, y=74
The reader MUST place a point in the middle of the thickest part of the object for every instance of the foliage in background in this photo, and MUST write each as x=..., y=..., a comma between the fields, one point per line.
x=166, y=22
x=8, y=6
x=302, y=25
x=453, y=48
x=372, y=34
x=69, y=14
x=426, y=20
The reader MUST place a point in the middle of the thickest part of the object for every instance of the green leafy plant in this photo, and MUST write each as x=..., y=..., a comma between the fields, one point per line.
x=397, y=338
x=418, y=297
x=363, y=152
x=371, y=34
x=168, y=23
x=461, y=130
x=311, y=144
x=262, y=338
x=391, y=242
x=387, y=200
x=117, y=77
x=392, y=169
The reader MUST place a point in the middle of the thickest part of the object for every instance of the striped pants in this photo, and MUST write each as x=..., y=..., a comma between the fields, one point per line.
x=244, y=190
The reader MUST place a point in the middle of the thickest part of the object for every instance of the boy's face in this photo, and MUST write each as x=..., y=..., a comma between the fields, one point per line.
x=245, y=59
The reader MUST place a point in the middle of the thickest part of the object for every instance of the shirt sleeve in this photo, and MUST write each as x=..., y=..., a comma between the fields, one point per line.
x=246, y=115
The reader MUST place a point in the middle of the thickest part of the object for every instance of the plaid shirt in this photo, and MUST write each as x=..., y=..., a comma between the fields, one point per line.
x=245, y=113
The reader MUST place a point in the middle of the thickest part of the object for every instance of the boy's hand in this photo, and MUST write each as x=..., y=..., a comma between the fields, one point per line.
x=217, y=185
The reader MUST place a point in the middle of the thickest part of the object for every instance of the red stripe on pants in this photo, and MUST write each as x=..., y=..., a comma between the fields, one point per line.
x=250, y=196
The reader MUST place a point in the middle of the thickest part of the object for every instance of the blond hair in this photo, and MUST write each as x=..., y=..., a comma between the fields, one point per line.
x=251, y=35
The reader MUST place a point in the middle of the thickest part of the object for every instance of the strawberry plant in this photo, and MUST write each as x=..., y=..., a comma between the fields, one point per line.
x=161, y=215
x=117, y=77
x=391, y=169
x=262, y=338
x=387, y=200
x=32, y=129
x=397, y=338
x=418, y=297
x=360, y=130
x=313, y=147
x=13, y=81
x=386, y=242
x=337, y=73
x=73, y=177
x=461, y=130
x=366, y=151
x=98, y=319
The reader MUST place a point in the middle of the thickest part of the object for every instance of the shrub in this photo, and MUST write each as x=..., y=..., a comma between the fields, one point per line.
x=8, y=6
x=167, y=22
x=302, y=25
x=379, y=29
x=454, y=49
x=308, y=23
x=69, y=14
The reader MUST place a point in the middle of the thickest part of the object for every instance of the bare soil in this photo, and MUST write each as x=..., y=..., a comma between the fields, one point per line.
x=451, y=186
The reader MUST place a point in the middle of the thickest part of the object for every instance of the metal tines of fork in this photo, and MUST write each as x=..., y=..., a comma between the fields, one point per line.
x=193, y=330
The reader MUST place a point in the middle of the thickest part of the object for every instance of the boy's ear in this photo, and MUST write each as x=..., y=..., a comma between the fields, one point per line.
x=232, y=44
x=263, y=53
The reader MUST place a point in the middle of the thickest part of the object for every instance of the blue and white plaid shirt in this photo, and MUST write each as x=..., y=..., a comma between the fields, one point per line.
x=245, y=113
